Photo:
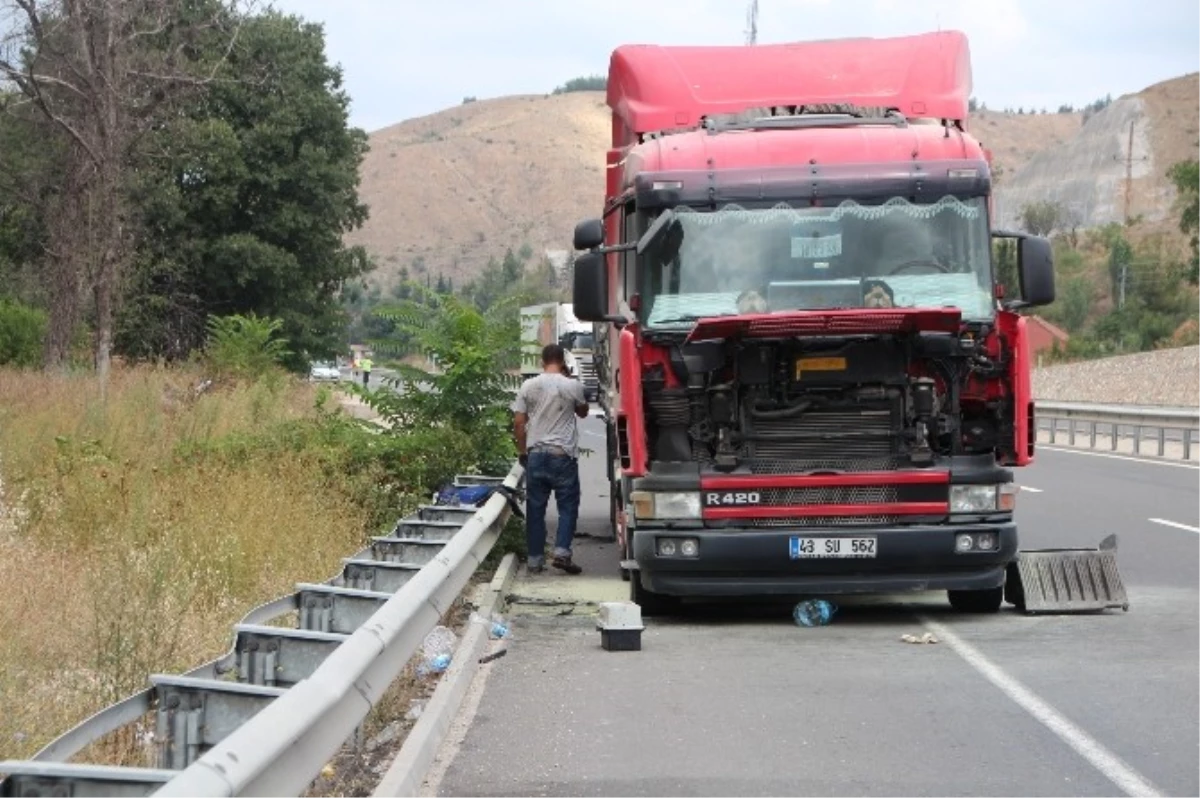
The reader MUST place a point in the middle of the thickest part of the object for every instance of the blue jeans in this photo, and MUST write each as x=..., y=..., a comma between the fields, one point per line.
x=548, y=472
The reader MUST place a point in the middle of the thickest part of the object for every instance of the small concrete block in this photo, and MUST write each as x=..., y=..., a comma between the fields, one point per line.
x=619, y=616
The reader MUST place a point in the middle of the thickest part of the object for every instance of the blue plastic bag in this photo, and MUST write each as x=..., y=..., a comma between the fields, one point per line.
x=464, y=495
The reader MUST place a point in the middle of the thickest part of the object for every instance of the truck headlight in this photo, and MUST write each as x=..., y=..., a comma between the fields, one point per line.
x=983, y=498
x=652, y=504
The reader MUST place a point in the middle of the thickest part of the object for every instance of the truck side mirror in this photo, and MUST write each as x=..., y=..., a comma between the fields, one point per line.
x=1035, y=268
x=589, y=234
x=590, y=291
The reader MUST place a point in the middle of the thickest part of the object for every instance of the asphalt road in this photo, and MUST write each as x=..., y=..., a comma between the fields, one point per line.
x=738, y=700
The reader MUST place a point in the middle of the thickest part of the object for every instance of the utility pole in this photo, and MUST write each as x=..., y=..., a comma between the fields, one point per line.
x=1128, y=183
x=752, y=23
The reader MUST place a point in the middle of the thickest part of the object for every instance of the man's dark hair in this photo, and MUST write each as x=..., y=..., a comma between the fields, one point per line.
x=553, y=353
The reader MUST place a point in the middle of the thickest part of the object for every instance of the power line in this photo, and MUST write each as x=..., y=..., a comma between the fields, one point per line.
x=752, y=23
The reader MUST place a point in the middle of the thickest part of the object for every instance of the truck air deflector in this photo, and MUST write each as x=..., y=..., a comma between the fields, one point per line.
x=654, y=88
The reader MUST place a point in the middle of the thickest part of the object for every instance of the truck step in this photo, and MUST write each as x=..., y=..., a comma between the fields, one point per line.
x=1067, y=580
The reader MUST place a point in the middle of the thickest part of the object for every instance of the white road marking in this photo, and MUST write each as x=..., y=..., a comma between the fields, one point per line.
x=1175, y=524
x=1145, y=460
x=1031, y=490
x=1105, y=761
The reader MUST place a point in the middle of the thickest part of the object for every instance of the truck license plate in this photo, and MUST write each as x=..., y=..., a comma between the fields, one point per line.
x=815, y=548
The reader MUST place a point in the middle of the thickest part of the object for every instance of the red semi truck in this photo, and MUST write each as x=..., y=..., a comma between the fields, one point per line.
x=813, y=381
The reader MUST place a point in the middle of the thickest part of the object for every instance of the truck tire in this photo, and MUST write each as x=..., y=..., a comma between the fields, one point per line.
x=978, y=601
x=651, y=603
x=1014, y=591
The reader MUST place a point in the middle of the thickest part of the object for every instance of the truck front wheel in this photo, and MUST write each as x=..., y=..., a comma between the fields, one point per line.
x=977, y=600
x=651, y=603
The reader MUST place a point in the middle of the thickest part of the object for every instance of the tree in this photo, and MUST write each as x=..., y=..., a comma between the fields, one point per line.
x=1041, y=218
x=1076, y=303
x=249, y=191
x=100, y=73
x=1186, y=177
x=468, y=389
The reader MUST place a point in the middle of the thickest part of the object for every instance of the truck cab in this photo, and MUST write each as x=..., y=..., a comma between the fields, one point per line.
x=813, y=381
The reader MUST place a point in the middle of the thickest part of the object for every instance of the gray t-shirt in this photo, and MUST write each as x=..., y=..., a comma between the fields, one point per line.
x=550, y=399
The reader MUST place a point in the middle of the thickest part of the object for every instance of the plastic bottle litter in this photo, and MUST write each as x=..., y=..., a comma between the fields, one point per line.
x=438, y=649
x=497, y=627
x=814, y=612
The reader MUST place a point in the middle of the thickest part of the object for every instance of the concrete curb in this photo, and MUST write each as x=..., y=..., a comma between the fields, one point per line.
x=411, y=765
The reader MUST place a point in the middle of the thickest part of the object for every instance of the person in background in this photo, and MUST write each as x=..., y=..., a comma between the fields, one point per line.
x=365, y=364
x=545, y=421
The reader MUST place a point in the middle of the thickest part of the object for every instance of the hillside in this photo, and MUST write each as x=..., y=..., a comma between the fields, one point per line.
x=458, y=187
x=1086, y=173
x=450, y=190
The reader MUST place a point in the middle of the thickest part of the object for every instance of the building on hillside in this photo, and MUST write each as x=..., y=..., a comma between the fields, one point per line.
x=1043, y=336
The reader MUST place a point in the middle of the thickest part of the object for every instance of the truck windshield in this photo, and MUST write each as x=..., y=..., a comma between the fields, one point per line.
x=576, y=340
x=895, y=254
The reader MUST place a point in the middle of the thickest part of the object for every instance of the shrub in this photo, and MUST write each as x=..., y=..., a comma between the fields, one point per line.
x=22, y=329
x=244, y=347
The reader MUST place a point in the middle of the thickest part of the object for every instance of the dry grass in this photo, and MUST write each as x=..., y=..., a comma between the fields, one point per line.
x=117, y=558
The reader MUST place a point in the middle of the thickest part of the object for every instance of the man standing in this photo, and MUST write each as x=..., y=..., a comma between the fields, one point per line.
x=366, y=364
x=548, y=441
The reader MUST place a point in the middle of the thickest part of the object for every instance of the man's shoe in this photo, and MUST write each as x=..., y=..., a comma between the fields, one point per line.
x=565, y=564
x=535, y=568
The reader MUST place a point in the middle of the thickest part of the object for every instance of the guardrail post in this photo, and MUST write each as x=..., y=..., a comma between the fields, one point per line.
x=1137, y=439
x=1162, y=442
x=1053, y=428
x=1187, y=444
x=1071, y=427
x=1091, y=434
x=1115, y=430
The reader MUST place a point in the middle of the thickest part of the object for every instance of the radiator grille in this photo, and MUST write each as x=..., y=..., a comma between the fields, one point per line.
x=844, y=494
x=843, y=440
x=821, y=521
x=804, y=465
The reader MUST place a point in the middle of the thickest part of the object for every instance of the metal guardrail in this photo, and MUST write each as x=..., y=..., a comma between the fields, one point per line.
x=1159, y=427
x=266, y=717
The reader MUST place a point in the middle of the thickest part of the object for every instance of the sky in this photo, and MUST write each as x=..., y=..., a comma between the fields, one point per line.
x=408, y=58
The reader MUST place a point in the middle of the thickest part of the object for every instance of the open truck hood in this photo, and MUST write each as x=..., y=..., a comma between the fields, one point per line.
x=828, y=322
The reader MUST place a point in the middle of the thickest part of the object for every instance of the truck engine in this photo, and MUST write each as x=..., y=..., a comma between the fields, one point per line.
x=822, y=404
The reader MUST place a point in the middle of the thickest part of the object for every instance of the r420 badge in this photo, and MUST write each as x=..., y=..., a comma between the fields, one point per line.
x=729, y=498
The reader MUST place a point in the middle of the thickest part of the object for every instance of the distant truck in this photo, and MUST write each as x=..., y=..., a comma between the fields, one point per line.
x=555, y=322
